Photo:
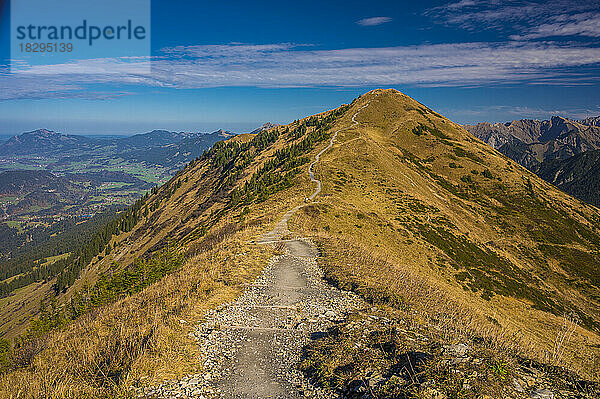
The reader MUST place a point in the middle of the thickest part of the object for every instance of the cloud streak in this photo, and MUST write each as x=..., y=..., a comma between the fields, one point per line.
x=584, y=24
x=374, y=21
x=287, y=65
x=529, y=19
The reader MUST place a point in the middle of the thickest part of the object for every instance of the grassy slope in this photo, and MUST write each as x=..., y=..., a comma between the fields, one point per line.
x=408, y=215
x=17, y=310
x=185, y=212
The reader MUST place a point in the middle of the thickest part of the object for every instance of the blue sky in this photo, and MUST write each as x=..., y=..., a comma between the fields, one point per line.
x=238, y=64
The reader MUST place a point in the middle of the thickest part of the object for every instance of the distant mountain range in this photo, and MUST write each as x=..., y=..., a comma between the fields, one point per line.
x=49, y=174
x=43, y=142
x=563, y=152
x=592, y=121
x=266, y=126
x=531, y=142
x=4, y=137
x=184, y=150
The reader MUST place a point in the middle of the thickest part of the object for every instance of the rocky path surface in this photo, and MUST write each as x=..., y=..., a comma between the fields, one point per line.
x=251, y=346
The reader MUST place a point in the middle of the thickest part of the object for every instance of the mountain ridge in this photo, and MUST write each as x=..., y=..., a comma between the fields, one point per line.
x=432, y=227
x=591, y=121
x=43, y=141
x=531, y=142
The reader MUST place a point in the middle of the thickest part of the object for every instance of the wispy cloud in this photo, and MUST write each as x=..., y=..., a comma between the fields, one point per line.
x=459, y=5
x=523, y=19
x=373, y=21
x=584, y=24
x=289, y=65
x=501, y=113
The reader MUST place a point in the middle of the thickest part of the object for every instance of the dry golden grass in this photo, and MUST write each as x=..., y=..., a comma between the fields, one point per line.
x=190, y=207
x=441, y=309
x=16, y=310
x=142, y=339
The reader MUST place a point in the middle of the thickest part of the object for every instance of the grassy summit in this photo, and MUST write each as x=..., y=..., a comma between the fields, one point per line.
x=416, y=192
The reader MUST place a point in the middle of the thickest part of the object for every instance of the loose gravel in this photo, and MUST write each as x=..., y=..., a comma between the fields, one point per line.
x=251, y=346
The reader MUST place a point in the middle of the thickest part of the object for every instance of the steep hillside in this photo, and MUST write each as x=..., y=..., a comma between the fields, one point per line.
x=44, y=142
x=161, y=147
x=46, y=176
x=265, y=126
x=438, y=232
x=557, y=150
x=38, y=192
x=591, y=121
x=183, y=210
x=22, y=181
x=530, y=142
x=409, y=196
x=181, y=250
x=155, y=138
x=578, y=175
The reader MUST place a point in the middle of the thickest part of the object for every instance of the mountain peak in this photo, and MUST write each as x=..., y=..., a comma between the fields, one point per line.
x=265, y=126
x=41, y=132
x=382, y=90
x=42, y=141
x=562, y=121
x=223, y=133
x=159, y=131
x=410, y=212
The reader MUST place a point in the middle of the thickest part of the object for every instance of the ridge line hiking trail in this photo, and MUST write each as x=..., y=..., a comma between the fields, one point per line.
x=250, y=346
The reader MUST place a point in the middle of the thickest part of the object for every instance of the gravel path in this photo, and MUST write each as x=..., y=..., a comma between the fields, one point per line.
x=251, y=346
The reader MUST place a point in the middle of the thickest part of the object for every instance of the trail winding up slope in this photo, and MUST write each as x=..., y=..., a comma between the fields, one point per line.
x=318, y=156
x=251, y=346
